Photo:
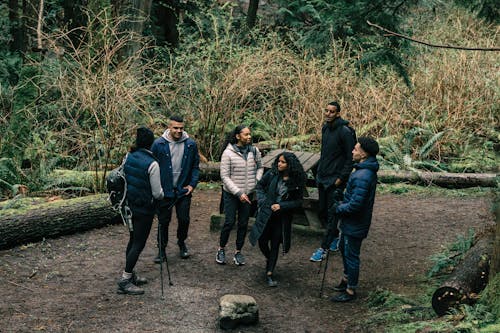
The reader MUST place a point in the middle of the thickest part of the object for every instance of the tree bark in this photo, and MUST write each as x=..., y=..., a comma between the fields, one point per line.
x=468, y=279
x=55, y=219
x=253, y=5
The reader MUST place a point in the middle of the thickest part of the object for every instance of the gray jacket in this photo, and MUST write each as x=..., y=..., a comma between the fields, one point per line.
x=239, y=175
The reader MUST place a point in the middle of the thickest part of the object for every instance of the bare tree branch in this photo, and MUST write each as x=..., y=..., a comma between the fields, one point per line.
x=392, y=33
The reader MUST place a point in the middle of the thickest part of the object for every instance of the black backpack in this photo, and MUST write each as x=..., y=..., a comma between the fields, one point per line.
x=353, y=133
x=116, y=185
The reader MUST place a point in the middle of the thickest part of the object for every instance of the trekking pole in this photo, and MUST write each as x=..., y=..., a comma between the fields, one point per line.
x=324, y=274
x=161, y=258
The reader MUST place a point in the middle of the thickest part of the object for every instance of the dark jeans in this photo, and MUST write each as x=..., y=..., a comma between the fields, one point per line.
x=182, y=210
x=328, y=197
x=272, y=235
x=233, y=205
x=350, y=248
x=137, y=241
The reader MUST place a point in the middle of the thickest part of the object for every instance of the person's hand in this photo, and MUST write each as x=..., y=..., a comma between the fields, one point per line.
x=189, y=189
x=275, y=207
x=244, y=198
x=338, y=182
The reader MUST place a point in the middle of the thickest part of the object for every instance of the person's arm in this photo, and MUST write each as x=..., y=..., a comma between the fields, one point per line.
x=295, y=200
x=195, y=170
x=359, y=196
x=154, y=180
x=261, y=188
x=347, y=147
x=258, y=162
x=225, y=175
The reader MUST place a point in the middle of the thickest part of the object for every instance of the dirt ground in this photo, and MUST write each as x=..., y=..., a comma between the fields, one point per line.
x=68, y=284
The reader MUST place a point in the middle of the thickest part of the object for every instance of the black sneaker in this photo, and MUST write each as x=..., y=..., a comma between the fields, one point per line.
x=342, y=286
x=125, y=286
x=220, y=257
x=271, y=282
x=343, y=297
x=239, y=259
x=183, y=251
x=157, y=258
x=138, y=280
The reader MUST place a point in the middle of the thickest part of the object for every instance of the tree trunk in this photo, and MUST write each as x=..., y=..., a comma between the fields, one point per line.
x=16, y=27
x=55, y=219
x=495, y=260
x=467, y=279
x=253, y=5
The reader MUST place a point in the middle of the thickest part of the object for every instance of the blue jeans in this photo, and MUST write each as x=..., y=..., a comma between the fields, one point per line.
x=350, y=248
x=233, y=205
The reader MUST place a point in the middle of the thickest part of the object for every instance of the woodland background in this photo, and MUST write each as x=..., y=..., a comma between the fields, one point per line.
x=77, y=77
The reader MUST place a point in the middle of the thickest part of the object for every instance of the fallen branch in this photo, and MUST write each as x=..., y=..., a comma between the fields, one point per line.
x=395, y=34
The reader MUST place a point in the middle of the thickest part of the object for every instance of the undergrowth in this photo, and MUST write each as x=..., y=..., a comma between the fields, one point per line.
x=394, y=313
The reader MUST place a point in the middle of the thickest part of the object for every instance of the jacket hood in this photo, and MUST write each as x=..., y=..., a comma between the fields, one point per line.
x=337, y=123
x=183, y=138
x=370, y=163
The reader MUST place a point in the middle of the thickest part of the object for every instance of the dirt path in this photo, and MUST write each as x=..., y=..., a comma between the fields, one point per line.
x=68, y=284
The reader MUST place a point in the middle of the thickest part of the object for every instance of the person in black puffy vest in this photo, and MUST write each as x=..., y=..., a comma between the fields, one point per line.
x=142, y=173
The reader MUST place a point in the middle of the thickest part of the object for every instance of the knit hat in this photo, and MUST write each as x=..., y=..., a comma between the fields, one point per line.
x=145, y=138
x=369, y=145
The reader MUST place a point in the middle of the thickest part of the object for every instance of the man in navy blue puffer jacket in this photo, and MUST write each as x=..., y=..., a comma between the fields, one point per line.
x=355, y=214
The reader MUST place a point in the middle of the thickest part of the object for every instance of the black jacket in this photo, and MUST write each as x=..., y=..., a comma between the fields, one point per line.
x=266, y=190
x=337, y=143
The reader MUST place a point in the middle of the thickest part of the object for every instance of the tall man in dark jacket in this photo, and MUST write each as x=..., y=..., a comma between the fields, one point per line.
x=334, y=168
x=179, y=161
x=355, y=214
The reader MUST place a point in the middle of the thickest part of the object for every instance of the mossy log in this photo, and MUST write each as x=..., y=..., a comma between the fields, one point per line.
x=210, y=171
x=53, y=219
x=468, y=278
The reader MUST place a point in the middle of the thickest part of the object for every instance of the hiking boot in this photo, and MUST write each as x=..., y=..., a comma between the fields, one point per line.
x=183, y=251
x=335, y=245
x=342, y=286
x=162, y=254
x=125, y=286
x=220, y=257
x=239, y=259
x=318, y=255
x=343, y=297
x=271, y=282
x=138, y=280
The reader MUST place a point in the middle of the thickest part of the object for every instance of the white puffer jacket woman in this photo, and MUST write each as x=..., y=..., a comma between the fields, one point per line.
x=240, y=170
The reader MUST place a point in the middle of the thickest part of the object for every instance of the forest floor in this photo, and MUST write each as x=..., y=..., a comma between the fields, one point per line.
x=68, y=284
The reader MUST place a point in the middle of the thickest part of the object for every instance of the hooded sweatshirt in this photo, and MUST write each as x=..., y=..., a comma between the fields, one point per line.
x=176, y=153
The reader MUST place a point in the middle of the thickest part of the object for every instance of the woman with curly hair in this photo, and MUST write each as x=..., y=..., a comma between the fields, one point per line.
x=279, y=192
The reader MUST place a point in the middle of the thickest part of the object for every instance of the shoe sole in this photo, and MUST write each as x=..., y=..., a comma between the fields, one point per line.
x=123, y=292
x=315, y=260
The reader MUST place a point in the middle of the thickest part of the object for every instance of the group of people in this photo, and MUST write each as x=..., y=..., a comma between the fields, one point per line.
x=161, y=174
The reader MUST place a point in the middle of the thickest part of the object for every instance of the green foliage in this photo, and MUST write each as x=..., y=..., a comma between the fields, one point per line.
x=316, y=23
x=412, y=151
x=487, y=9
x=490, y=296
x=445, y=261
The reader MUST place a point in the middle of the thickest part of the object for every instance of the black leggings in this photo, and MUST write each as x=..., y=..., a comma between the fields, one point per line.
x=137, y=241
x=272, y=235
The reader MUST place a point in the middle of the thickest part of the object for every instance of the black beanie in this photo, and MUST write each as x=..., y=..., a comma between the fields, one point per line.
x=369, y=145
x=145, y=138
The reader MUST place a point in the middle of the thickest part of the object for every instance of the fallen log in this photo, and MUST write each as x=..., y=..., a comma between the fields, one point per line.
x=53, y=219
x=210, y=171
x=468, y=278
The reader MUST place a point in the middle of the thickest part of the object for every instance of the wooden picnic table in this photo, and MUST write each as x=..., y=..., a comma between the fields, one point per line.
x=307, y=159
